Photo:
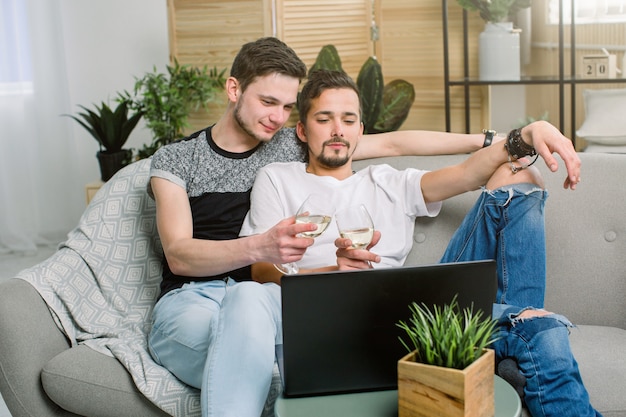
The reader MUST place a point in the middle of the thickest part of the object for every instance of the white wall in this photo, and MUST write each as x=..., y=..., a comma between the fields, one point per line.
x=107, y=44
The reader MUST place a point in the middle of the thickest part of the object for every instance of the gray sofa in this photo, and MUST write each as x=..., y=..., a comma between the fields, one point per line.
x=72, y=328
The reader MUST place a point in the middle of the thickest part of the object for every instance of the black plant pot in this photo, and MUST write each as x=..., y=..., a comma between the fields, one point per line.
x=111, y=162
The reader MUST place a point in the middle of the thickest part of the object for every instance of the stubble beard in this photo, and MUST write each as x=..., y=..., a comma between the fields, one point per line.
x=247, y=129
x=335, y=160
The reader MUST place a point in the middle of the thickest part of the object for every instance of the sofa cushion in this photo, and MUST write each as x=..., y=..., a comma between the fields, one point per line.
x=604, y=117
x=89, y=383
x=601, y=355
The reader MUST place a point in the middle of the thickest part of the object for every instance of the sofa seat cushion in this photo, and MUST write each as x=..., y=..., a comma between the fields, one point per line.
x=89, y=383
x=601, y=355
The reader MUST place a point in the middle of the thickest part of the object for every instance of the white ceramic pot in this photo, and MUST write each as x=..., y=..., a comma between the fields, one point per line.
x=499, y=52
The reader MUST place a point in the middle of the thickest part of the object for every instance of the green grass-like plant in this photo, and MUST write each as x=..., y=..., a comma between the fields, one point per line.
x=447, y=336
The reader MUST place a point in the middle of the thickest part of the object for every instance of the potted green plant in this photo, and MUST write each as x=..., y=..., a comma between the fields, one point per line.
x=495, y=11
x=167, y=99
x=384, y=107
x=111, y=129
x=448, y=360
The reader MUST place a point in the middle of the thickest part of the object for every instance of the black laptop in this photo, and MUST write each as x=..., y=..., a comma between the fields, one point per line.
x=339, y=328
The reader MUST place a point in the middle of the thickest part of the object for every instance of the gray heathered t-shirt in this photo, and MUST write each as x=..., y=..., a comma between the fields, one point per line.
x=218, y=184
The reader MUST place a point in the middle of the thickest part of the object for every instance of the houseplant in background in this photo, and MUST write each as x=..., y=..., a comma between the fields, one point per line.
x=449, y=371
x=167, y=99
x=111, y=129
x=499, y=43
x=384, y=107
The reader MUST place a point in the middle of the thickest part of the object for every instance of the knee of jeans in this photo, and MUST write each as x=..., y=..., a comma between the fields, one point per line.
x=187, y=323
x=545, y=338
x=550, y=333
x=183, y=361
x=551, y=319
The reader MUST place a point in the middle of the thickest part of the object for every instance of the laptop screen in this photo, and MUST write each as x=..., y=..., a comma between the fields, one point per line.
x=339, y=328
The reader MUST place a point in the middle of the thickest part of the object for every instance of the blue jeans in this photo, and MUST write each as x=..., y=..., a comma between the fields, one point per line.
x=507, y=225
x=219, y=337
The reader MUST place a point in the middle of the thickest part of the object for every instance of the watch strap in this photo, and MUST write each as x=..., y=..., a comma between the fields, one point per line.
x=489, y=134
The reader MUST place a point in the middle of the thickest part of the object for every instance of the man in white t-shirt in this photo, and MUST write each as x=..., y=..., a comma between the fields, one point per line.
x=509, y=208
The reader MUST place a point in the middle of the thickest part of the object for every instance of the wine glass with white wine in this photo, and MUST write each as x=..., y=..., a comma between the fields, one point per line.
x=355, y=223
x=314, y=209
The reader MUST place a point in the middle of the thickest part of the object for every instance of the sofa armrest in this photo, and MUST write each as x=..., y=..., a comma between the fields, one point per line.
x=29, y=338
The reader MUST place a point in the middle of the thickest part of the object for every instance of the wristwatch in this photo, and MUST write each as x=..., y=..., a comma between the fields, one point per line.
x=489, y=134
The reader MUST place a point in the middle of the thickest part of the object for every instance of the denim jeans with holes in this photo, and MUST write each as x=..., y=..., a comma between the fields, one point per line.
x=507, y=225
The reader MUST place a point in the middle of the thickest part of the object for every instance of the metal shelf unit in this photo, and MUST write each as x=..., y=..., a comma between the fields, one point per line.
x=561, y=79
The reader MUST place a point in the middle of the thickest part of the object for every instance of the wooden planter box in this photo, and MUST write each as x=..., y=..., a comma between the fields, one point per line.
x=427, y=390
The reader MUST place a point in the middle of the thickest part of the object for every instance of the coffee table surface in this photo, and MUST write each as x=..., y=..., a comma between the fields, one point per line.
x=380, y=404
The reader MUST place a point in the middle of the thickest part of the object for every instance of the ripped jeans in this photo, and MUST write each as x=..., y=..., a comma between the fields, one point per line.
x=507, y=225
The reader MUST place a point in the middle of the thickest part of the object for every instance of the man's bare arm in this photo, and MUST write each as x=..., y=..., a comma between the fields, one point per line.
x=187, y=256
x=417, y=142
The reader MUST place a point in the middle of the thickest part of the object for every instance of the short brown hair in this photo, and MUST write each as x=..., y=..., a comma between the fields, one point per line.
x=320, y=81
x=263, y=57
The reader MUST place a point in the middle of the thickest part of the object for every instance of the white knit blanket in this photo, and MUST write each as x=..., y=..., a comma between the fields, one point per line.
x=102, y=283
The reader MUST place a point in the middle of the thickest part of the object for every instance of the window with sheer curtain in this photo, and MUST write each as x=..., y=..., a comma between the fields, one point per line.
x=15, y=64
x=36, y=148
x=589, y=11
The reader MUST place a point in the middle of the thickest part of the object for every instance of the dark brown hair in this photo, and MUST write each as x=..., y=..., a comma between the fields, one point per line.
x=263, y=57
x=320, y=81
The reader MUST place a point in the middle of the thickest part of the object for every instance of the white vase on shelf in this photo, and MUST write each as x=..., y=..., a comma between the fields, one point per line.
x=499, y=52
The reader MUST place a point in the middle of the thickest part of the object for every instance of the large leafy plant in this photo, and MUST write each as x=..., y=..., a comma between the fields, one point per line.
x=447, y=336
x=495, y=11
x=384, y=107
x=167, y=99
x=110, y=128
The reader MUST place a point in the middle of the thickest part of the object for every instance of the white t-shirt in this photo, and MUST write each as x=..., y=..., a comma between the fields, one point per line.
x=393, y=198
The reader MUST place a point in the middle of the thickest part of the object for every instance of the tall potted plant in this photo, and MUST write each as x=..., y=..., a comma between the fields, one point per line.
x=449, y=369
x=111, y=129
x=384, y=106
x=499, y=44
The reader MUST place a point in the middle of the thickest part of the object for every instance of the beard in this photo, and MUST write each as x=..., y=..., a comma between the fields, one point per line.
x=334, y=160
x=244, y=126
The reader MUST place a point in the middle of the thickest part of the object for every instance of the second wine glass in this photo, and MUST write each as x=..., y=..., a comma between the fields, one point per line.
x=355, y=223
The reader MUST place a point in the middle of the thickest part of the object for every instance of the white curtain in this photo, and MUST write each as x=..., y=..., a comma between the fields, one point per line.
x=37, y=153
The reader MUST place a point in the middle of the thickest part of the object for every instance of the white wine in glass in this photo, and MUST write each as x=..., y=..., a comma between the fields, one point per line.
x=355, y=223
x=322, y=221
x=314, y=209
